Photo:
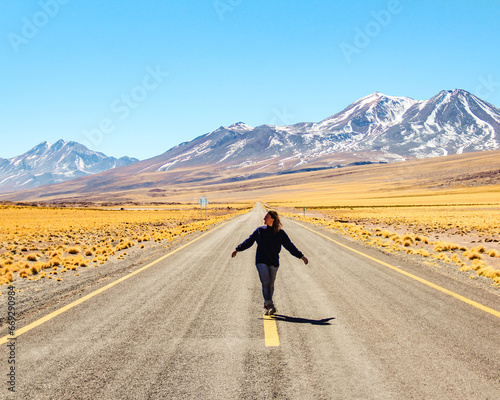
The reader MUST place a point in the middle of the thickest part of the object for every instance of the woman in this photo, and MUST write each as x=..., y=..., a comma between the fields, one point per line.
x=269, y=238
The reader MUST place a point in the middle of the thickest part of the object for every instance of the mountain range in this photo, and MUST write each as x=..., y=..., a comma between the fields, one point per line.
x=374, y=129
x=52, y=163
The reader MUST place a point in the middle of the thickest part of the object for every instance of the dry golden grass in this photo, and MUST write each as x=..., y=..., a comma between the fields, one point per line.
x=33, y=239
x=445, y=246
x=74, y=250
x=383, y=227
x=31, y=257
x=494, y=253
x=483, y=220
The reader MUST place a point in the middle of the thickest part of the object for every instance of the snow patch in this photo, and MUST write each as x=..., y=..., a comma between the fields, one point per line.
x=234, y=148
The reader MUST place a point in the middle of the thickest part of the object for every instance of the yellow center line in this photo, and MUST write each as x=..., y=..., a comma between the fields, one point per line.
x=271, y=336
x=425, y=282
x=271, y=331
x=54, y=314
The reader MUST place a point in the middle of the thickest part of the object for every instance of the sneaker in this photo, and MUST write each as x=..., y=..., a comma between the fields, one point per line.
x=272, y=310
x=266, y=310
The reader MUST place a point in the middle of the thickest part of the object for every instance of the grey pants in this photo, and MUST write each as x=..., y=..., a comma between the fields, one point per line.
x=267, y=275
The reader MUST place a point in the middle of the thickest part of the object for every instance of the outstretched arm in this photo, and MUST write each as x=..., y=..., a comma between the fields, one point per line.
x=287, y=244
x=245, y=244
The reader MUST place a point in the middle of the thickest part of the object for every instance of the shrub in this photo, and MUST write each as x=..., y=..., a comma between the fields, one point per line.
x=472, y=255
x=74, y=250
x=54, y=262
x=478, y=264
x=493, y=253
x=8, y=277
x=35, y=268
x=19, y=266
x=407, y=237
x=480, y=249
x=124, y=244
x=445, y=246
x=79, y=260
x=395, y=237
x=24, y=273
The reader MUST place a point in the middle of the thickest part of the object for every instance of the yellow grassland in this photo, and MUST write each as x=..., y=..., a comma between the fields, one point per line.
x=466, y=237
x=44, y=242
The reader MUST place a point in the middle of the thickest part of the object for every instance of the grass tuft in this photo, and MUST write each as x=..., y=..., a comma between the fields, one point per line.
x=74, y=250
x=31, y=257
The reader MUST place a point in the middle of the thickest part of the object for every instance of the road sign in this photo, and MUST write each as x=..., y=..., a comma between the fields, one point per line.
x=203, y=201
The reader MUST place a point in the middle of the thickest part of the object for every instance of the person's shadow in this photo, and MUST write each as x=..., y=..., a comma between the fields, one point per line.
x=296, y=320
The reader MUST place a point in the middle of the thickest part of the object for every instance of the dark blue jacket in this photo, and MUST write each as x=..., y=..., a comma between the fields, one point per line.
x=269, y=245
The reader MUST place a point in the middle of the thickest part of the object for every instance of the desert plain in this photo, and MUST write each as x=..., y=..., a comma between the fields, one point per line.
x=443, y=211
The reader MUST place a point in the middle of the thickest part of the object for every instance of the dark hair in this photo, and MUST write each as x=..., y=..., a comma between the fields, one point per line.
x=276, y=223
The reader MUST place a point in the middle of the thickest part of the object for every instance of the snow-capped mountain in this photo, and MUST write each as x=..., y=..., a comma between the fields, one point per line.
x=378, y=128
x=452, y=122
x=52, y=163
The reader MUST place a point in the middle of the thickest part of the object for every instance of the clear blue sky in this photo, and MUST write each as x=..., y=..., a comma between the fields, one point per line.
x=138, y=77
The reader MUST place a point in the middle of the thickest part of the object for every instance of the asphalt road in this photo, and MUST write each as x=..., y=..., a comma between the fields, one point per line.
x=191, y=327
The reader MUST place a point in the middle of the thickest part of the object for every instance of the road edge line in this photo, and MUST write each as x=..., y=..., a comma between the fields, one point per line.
x=81, y=300
x=421, y=280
